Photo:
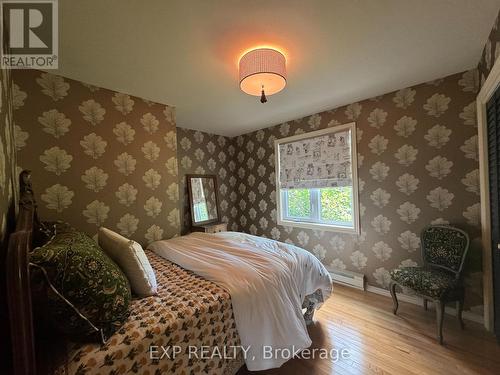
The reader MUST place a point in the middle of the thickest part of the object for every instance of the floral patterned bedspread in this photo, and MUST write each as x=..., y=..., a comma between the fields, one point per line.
x=188, y=312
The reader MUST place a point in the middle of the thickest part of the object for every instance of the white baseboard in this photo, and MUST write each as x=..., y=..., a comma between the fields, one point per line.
x=418, y=301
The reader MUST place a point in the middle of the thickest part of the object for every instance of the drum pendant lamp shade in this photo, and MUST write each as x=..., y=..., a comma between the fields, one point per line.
x=262, y=72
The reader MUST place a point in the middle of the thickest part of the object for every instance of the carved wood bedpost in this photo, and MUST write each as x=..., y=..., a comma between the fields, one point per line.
x=18, y=282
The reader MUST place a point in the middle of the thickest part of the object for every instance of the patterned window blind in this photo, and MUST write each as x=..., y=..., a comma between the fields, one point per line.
x=316, y=162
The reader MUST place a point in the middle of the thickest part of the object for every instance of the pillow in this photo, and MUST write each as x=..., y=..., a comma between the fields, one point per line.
x=131, y=258
x=88, y=293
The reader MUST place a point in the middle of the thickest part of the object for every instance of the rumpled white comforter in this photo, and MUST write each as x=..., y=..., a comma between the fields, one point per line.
x=267, y=281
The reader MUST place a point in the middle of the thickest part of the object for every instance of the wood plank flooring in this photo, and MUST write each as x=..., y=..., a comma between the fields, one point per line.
x=381, y=343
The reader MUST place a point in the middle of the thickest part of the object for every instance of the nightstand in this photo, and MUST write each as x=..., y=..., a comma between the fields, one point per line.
x=211, y=228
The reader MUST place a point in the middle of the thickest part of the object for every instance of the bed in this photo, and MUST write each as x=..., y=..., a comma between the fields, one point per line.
x=194, y=307
x=188, y=311
x=268, y=282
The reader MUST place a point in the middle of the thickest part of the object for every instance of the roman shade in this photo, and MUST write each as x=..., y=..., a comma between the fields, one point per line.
x=316, y=162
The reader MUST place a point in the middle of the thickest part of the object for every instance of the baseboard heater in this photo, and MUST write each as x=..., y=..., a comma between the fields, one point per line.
x=348, y=278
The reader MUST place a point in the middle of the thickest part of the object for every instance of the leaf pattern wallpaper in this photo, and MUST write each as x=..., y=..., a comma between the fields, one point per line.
x=105, y=158
x=418, y=164
x=98, y=157
x=8, y=199
x=204, y=153
x=491, y=51
x=8, y=178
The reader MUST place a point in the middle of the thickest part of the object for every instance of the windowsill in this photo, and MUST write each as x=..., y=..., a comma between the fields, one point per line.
x=318, y=226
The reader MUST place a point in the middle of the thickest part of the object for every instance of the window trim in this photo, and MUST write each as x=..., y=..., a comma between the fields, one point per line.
x=354, y=170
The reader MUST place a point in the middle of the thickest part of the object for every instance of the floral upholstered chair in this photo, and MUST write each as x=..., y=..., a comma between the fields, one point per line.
x=440, y=279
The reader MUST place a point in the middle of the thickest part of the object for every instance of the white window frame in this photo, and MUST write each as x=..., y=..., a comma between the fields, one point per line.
x=281, y=198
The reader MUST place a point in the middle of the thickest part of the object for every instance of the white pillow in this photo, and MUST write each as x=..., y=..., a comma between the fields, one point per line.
x=132, y=260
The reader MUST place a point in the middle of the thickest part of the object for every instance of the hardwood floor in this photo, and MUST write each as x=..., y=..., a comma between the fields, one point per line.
x=381, y=343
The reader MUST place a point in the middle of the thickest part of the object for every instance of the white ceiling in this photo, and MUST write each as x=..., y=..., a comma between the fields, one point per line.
x=185, y=52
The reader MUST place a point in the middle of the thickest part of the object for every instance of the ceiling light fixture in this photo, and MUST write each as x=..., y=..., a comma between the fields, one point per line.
x=262, y=71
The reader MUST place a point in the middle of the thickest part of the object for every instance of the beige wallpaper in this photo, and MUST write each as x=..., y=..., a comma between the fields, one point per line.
x=103, y=158
x=8, y=202
x=8, y=178
x=418, y=164
x=204, y=153
x=491, y=51
x=99, y=158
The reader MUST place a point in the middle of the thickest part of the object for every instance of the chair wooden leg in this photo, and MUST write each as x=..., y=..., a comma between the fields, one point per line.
x=439, y=319
x=392, y=288
x=425, y=304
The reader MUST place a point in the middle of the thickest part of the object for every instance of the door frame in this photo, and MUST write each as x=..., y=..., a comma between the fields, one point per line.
x=487, y=90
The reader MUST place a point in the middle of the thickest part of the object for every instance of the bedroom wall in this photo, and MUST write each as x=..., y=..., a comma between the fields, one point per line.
x=491, y=51
x=418, y=165
x=99, y=157
x=204, y=153
x=8, y=202
x=8, y=178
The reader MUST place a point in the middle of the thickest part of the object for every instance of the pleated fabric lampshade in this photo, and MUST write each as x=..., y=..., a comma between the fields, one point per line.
x=262, y=72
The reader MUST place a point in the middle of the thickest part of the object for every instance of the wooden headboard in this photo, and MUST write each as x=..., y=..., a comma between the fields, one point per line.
x=18, y=281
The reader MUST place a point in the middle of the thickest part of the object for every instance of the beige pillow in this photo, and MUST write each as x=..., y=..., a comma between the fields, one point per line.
x=132, y=260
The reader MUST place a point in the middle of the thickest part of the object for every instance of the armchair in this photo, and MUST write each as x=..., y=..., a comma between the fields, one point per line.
x=444, y=249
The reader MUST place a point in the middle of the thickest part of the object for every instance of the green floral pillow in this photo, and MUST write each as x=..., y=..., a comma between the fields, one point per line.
x=88, y=295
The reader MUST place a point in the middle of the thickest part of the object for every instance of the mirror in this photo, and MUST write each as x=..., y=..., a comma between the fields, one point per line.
x=203, y=199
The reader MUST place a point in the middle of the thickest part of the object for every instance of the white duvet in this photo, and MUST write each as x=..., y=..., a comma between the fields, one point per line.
x=267, y=281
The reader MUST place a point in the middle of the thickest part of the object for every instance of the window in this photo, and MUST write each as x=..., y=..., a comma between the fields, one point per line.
x=316, y=178
x=201, y=211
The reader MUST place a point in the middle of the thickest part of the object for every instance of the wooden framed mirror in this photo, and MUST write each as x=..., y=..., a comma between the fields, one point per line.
x=203, y=199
